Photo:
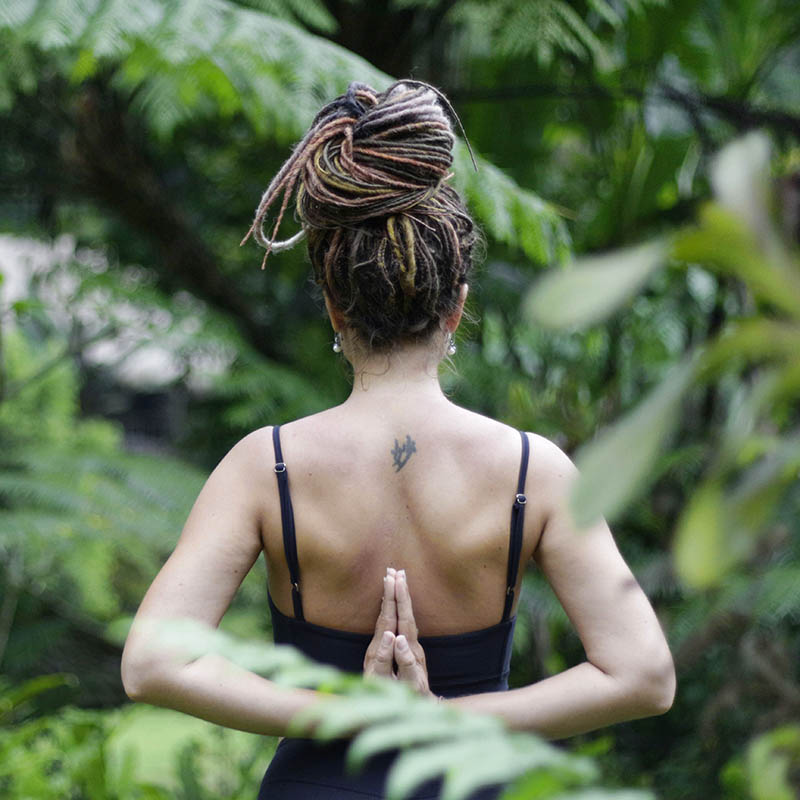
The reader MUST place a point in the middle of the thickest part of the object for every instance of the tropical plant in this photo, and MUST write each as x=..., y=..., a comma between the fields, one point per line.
x=468, y=751
x=149, y=132
x=736, y=543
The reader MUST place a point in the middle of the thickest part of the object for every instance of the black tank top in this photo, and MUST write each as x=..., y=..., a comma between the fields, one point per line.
x=458, y=664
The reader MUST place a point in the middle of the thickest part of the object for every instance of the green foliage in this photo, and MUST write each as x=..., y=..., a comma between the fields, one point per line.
x=132, y=754
x=544, y=28
x=76, y=510
x=178, y=62
x=764, y=773
x=609, y=110
x=438, y=741
x=731, y=507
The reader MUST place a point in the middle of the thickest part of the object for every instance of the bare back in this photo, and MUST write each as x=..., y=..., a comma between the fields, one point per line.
x=426, y=489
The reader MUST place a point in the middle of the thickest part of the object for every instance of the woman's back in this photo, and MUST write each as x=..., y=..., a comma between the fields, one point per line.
x=414, y=482
x=395, y=477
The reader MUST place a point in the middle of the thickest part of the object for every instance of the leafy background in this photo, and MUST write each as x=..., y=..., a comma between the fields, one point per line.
x=638, y=186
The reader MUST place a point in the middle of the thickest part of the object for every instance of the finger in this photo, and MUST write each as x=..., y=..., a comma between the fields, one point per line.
x=406, y=624
x=382, y=663
x=387, y=618
x=408, y=668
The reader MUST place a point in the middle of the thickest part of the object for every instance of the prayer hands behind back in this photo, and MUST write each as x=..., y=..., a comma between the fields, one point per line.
x=395, y=651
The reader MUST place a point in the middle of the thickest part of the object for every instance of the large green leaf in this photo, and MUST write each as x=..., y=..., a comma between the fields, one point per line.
x=615, y=466
x=750, y=340
x=720, y=528
x=594, y=287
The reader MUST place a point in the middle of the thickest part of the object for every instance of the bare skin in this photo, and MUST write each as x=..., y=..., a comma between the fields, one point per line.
x=443, y=516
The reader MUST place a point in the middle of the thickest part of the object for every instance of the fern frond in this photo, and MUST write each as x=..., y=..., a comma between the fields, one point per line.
x=437, y=740
x=181, y=61
x=778, y=595
x=542, y=28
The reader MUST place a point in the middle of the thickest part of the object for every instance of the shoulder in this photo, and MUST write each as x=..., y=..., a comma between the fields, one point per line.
x=251, y=453
x=551, y=474
x=549, y=462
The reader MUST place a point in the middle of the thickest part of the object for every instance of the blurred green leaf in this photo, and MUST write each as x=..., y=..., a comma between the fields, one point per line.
x=701, y=548
x=720, y=527
x=594, y=287
x=428, y=725
x=472, y=763
x=607, y=794
x=619, y=462
x=771, y=760
x=750, y=340
x=723, y=242
x=740, y=176
x=17, y=695
x=28, y=304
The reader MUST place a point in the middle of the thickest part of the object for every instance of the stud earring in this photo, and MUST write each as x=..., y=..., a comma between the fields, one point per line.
x=451, y=346
x=337, y=342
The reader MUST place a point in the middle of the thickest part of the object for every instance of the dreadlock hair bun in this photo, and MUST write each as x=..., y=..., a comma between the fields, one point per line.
x=390, y=241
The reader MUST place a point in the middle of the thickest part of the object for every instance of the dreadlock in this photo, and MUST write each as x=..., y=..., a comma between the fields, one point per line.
x=390, y=241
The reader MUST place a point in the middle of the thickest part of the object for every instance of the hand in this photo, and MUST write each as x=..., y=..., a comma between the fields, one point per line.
x=379, y=659
x=395, y=640
x=408, y=652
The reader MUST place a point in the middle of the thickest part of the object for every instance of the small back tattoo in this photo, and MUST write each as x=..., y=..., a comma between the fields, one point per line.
x=403, y=452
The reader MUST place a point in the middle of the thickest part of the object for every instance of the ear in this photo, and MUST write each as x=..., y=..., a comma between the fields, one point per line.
x=336, y=316
x=451, y=322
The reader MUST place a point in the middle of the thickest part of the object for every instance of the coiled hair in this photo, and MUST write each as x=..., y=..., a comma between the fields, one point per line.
x=390, y=241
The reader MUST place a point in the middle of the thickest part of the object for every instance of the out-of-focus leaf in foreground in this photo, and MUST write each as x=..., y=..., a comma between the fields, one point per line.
x=619, y=462
x=594, y=287
x=436, y=740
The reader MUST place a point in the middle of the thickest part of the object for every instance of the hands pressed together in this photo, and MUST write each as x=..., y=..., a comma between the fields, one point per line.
x=395, y=651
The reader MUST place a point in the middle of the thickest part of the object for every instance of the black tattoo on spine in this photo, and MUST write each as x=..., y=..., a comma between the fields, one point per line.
x=403, y=452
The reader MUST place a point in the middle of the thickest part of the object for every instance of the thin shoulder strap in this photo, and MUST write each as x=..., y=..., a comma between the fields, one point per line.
x=517, y=525
x=287, y=522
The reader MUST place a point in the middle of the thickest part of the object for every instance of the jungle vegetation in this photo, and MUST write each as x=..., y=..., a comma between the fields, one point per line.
x=638, y=186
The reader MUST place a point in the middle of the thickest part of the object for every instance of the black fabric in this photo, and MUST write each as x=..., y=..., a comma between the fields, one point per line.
x=302, y=769
x=458, y=664
x=463, y=663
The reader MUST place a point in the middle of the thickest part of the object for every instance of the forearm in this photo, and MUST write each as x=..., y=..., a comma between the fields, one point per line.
x=215, y=689
x=577, y=700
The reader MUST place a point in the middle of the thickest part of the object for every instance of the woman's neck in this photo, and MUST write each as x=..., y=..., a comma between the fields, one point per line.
x=408, y=370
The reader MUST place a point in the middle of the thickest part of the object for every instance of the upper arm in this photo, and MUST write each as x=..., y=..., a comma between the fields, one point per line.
x=611, y=614
x=217, y=547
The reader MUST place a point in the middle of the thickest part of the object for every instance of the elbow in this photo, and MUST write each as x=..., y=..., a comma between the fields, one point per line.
x=133, y=678
x=141, y=676
x=654, y=687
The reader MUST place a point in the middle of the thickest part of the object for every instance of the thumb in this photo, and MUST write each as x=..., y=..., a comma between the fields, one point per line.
x=406, y=662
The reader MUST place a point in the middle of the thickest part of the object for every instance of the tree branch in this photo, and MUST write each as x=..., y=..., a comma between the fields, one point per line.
x=740, y=113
